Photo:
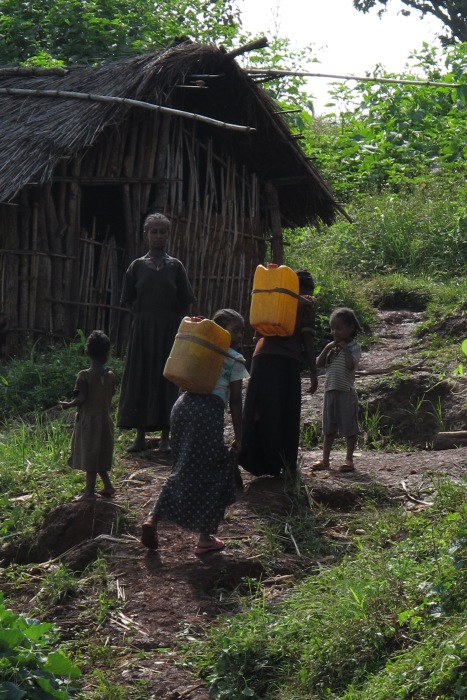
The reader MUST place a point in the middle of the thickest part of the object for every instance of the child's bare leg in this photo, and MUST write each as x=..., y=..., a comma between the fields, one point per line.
x=149, y=532
x=323, y=463
x=90, y=484
x=139, y=443
x=164, y=445
x=108, y=489
x=351, y=442
x=327, y=446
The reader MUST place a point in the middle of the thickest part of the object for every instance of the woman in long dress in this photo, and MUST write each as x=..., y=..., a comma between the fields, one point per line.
x=156, y=287
x=271, y=415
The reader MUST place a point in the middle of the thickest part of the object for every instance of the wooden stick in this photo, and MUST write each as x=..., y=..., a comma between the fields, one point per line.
x=260, y=43
x=305, y=74
x=391, y=368
x=125, y=101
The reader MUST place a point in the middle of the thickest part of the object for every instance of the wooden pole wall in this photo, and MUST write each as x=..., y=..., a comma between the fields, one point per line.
x=58, y=274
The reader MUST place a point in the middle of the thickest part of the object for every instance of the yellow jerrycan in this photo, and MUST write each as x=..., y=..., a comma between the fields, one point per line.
x=197, y=355
x=274, y=300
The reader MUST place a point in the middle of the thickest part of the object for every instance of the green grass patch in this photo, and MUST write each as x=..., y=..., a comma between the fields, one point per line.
x=39, y=377
x=389, y=617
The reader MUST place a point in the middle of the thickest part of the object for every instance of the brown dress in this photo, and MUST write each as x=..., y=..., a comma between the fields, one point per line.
x=92, y=443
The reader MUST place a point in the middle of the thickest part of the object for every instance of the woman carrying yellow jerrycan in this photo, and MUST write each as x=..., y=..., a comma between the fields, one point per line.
x=271, y=416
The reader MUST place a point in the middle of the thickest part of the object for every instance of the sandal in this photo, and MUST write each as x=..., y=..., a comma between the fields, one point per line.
x=319, y=465
x=347, y=466
x=149, y=535
x=215, y=546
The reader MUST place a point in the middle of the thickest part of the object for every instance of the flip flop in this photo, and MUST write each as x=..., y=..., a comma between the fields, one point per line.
x=347, y=466
x=149, y=535
x=215, y=546
x=319, y=465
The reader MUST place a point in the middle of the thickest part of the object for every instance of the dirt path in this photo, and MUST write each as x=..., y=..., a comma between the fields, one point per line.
x=169, y=593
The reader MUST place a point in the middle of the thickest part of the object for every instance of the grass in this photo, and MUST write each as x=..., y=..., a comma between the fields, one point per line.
x=388, y=621
x=380, y=611
x=354, y=625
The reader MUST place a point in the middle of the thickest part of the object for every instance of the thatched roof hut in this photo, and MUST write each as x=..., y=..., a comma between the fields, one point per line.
x=78, y=175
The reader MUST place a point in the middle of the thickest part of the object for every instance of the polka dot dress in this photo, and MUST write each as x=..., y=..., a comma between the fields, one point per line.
x=201, y=484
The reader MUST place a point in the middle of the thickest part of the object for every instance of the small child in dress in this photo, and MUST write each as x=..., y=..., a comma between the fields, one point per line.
x=92, y=443
x=201, y=484
x=340, y=409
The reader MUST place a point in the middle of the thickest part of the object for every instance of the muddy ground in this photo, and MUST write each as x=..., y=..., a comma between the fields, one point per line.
x=168, y=593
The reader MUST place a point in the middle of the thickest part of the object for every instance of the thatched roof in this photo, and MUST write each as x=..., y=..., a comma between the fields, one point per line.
x=39, y=131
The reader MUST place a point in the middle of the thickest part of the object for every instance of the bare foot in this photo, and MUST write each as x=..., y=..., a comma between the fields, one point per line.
x=149, y=535
x=107, y=492
x=164, y=446
x=138, y=446
x=86, y=495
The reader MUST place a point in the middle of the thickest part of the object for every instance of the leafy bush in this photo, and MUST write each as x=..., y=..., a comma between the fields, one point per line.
x=29, y=667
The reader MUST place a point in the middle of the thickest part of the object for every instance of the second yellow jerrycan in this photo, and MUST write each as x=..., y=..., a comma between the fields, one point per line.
x=274, y=300
x=197, y=355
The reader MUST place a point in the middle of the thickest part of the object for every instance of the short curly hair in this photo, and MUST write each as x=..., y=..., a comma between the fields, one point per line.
x=156, y=218
x=97, y=345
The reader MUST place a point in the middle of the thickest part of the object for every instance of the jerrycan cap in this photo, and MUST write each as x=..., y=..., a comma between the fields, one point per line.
x=196, y=319
x=272, y=266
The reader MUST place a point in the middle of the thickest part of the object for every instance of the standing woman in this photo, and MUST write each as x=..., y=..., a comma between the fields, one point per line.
x=271, y=416
x=157, y=289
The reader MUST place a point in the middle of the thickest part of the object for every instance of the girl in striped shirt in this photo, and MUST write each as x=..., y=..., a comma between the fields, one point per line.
x=340, y=409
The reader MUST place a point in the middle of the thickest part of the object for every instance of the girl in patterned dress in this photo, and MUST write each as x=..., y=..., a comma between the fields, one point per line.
x=92, y=443
x=201, y=484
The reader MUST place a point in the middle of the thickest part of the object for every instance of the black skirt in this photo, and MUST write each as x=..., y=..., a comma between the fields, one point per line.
x=271, y=416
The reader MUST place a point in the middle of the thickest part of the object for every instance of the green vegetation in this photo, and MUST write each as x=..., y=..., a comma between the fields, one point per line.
x=40, y=377
x=453, y=13
x=68, y=32
x=388, y=621
x=381, y=610
x=30, y=668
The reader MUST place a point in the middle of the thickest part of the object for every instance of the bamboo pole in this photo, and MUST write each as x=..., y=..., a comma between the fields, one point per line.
x=53, y=223
x=43, y=317
x=129, y=234
x=272, y=73
x=149, y=163
x=125, y=101
x=277, y=244
x=23, y=279
x=10, y=266
x=160, y=166
x=72, y=248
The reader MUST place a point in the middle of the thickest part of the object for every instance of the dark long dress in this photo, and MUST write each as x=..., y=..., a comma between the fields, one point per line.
x=271, y=414
x=159, y=298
